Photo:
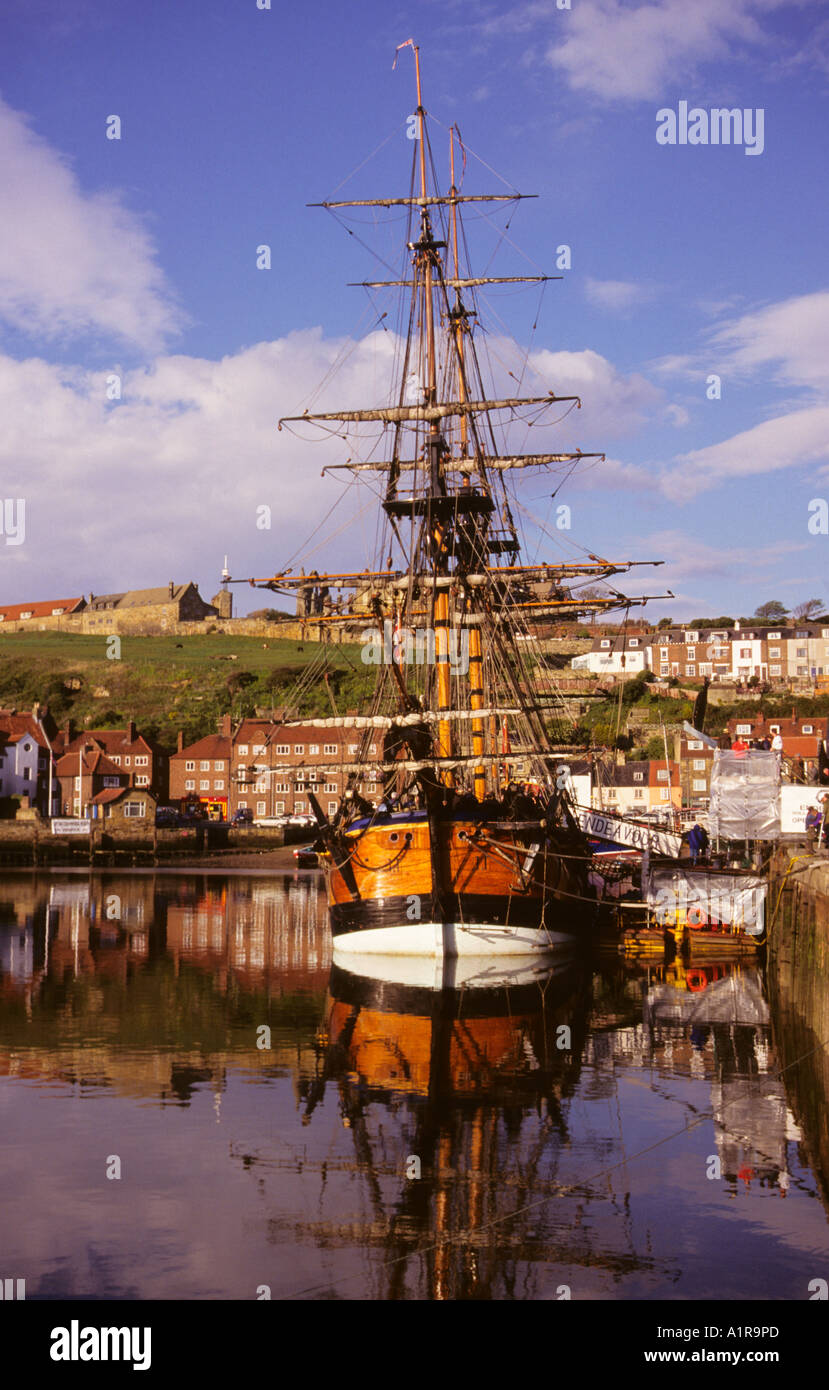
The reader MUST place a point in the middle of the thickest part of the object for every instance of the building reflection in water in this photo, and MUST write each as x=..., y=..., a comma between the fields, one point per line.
x=478, y=1146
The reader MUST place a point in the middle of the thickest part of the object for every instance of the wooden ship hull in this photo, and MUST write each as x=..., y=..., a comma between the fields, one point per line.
x=454, y=888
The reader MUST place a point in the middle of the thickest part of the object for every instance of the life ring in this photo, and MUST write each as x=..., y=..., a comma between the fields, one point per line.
x=822, y=796
x=699, y=981
x=698, y=917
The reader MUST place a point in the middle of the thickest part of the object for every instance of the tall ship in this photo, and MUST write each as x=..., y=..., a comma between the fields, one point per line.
x=472, y=848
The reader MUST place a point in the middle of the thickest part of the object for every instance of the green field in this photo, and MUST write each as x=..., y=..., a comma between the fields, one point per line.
x=172, y=683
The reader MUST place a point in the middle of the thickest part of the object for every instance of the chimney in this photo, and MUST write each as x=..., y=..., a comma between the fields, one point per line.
x=172, y=588
x=130, y=732
x=180, y=744
x=225, y=728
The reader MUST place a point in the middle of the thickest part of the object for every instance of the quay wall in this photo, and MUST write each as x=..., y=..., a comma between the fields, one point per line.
x=31, y=841
x=798, y=981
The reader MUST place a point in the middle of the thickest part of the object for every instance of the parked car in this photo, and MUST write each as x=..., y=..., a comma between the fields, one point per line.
x=244, y=816
x=167, y=816
x=306, y=857
x=302, y=820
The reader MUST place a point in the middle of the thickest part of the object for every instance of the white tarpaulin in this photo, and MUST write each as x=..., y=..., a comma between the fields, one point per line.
x=700, y=896
x=745, y=795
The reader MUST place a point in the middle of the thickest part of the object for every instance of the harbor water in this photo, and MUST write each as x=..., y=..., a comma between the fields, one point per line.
x=196, y=1102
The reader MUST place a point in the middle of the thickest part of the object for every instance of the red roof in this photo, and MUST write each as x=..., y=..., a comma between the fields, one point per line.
x=11, y=612
x=95, y=764
x=13, y=727
x=212, y=746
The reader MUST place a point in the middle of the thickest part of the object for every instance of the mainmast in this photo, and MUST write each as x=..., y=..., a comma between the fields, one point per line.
x=461, y=577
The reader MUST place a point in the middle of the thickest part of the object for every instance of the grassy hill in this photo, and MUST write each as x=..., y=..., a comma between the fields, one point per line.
x=170, y=683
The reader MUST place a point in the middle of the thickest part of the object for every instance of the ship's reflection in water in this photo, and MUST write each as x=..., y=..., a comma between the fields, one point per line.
x=542, y=1128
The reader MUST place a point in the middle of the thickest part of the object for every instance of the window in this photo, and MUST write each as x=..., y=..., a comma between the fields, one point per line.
x=745, y=653
x=56, y=612
x=698, y=784
x=774, y=728
x=664, y=793
x=261, y=787
x=605, y=641
x=204, y=765
x=352, y=748
x=691, y=670
x=663, y=641
x=188, y=767
x=330, y=787
x=142, y=780
x=279, y=808
x=258, y=749
x=774, y=651
x=743, y=728
x=662, y=775
x=802, y=671
x=638, y=776
x=299, y=808
x=694, y=743
x=142, y=762
x=218, y=784
x=299, y=749
x=801, y=651
x=330, y=747
x=690, y=654
x=332, y=808
x=283, y=749
x=691, y=636
x=219, y=765
x=189, y=785
x=260, y=808
x=373, y=750
x=808, y=728
x=300, y=787
x=638, y=794
x=312, y=777
x=634, y=642
x=27, y=614
x=773, y=637
x=242, y=750
x=313, y=748
x=27, y=772
x=126, y=762
x=108, y=781
x=243, y=805
x=282, y=787
x=699, y=764
x=204, y=785
x=775, y=670
x=134, y=808
x=611, y=793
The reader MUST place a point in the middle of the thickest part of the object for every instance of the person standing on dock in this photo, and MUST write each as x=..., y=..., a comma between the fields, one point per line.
x=813, y=824
x=697, y=842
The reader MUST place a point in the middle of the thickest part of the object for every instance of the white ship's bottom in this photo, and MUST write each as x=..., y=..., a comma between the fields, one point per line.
x=451, y=939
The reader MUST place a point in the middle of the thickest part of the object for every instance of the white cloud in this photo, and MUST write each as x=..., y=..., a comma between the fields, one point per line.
x=615, y=295
x=788, y=441
x=618, y=51
x=71, y=262
x=794, y=334
x=613, y=404
x=703, y=561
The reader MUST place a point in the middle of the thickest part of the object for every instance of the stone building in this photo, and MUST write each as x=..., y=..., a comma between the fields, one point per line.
x=146, y=611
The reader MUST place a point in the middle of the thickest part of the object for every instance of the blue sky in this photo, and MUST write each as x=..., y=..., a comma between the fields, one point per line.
x=138, y=257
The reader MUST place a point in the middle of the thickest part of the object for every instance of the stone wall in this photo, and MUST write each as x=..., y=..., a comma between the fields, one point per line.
x=798, y=975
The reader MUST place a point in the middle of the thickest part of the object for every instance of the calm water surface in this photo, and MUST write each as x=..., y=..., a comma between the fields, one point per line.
x=611, y=1130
